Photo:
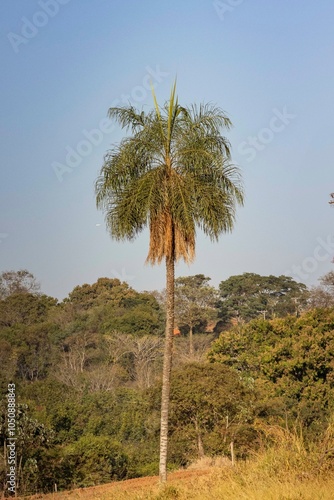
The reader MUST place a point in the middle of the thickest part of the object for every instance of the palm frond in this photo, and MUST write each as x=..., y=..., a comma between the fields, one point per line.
x=172, y=110
x=128, y=117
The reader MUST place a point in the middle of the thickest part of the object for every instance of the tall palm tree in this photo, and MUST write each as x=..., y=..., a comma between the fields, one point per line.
x=173, y=174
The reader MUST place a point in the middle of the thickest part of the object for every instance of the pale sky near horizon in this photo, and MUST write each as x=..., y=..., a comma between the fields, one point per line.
x=268, y=63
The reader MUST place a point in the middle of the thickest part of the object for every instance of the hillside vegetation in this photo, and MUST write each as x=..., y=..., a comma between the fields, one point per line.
x=257, y=391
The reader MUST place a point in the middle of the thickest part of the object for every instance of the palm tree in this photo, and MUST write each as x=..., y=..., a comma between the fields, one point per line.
x=172, y=174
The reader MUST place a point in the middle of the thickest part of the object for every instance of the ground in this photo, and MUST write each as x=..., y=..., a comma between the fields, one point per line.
x=116, y=490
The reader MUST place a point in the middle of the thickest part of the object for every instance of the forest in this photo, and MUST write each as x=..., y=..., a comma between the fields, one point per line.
x=254, y=352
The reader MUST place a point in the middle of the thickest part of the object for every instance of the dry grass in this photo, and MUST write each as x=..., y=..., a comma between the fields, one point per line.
x=210, y=462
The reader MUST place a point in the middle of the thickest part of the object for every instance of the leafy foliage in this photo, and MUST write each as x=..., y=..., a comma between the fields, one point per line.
x=93, y=460
x=249, y=295
x=104, y=291
x=211, y=406
x=25, y=309
x=292, y=358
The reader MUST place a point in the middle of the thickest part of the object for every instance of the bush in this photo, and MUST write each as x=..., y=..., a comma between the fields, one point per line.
x=94, y=460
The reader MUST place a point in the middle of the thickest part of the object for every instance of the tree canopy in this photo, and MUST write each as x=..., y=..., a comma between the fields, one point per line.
x=250, y=295
x=293, y=358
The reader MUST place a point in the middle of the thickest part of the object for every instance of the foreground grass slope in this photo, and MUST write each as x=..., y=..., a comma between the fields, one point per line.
x=285, y=470
x=241, y=483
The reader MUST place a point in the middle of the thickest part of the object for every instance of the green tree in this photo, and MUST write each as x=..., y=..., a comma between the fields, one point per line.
x=139, y=315
x=34, y=352
x=292, y=357
x=195, y=302
x=173, y=174
x=249, y=295
x=95, y=459
x=8, y=360
x=108, y=305
x=25, y=308
x=211, y=404
x=32, y=438
x=28, y=351
x=104, y=291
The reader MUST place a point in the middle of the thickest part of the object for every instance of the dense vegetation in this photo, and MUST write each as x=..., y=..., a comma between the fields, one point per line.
x=88, y=374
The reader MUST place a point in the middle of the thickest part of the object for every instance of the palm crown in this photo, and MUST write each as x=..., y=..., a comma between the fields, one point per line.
x=173, y=173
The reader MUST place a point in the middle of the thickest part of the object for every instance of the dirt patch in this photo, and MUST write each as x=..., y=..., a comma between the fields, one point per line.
x=130, y=485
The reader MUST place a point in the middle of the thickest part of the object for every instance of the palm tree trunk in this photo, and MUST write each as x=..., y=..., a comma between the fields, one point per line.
x=167, y=367
x=191, y=342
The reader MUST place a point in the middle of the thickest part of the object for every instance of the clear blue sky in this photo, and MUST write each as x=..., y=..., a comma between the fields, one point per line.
x=268, y=63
